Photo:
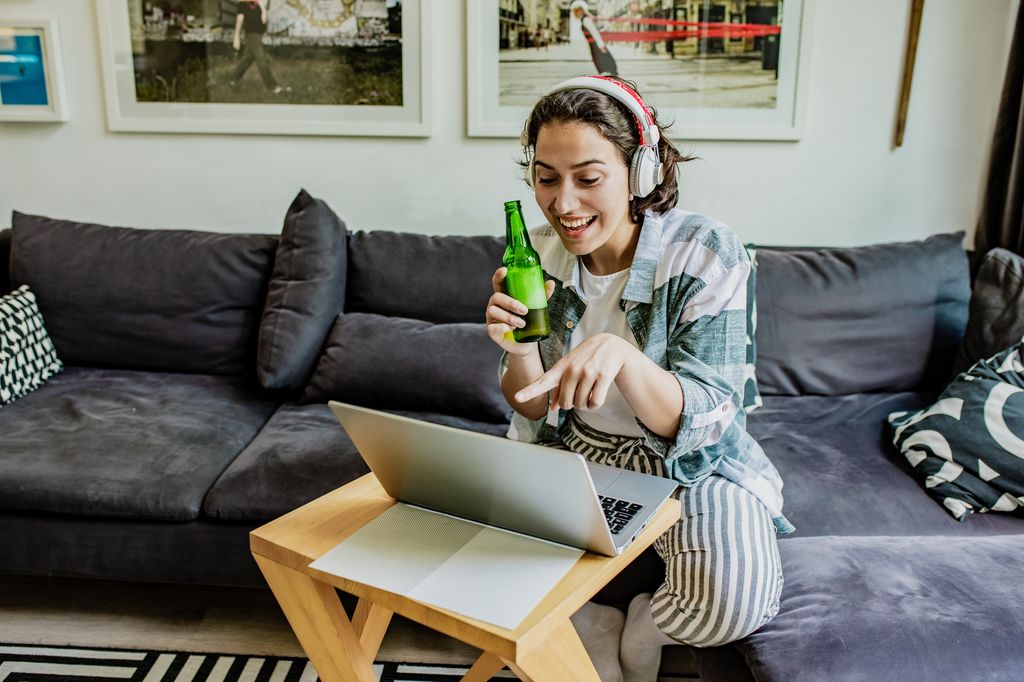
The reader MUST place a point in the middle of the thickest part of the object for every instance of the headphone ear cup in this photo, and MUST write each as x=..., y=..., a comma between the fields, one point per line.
x=643, y=171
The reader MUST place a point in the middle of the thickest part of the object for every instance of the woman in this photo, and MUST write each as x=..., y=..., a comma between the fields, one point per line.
x=644, y=366
x=603, y=60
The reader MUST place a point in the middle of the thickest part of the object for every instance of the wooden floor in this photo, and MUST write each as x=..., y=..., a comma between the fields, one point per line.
x=64, y=611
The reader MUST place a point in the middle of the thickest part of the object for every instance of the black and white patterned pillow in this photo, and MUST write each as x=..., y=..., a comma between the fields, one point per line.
x=967, y=449
x=27, y=356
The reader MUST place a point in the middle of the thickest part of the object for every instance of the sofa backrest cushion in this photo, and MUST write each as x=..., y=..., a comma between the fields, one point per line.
x=5, y=261
x=400, y=363
x=174, y=300
x=887, y=317
x=306, y=292
x=438, y=279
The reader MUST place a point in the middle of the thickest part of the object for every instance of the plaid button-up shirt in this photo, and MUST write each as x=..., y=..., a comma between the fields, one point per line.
x=685, y=302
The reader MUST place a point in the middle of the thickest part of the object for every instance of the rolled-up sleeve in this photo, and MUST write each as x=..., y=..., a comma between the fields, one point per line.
x=706, y=351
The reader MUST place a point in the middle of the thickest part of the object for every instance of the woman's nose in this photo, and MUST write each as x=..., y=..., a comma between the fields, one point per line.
x=565, y=199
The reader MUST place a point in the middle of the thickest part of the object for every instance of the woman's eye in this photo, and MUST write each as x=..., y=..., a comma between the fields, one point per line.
x=546, y=181
x=589, y=181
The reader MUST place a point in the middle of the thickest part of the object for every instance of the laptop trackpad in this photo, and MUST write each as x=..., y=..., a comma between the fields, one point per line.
x=451, y=563
x=604, y=476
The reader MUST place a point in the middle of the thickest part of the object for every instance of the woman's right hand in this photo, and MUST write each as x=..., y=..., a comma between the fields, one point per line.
x=504, y=314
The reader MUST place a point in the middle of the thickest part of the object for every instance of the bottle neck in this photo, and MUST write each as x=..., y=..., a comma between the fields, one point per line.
x=516, y=235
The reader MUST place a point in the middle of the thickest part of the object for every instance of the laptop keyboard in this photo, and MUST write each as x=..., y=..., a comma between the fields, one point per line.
x=618, y=512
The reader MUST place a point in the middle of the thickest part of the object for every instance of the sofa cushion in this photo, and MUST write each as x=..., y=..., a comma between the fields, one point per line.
x=5, y=261
x=894, y=609
x=440, y=279
x=399, y=363
x=306, y=291
x=965, y=448
x=842, y=474
x=881, y=318
x=118, y=443
x=996, y=318
x=172, y=300
x=301, y=454
x=27, y=356
x=202, y=551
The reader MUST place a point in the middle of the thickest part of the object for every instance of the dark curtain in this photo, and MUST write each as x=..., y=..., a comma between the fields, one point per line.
x=1002, y=212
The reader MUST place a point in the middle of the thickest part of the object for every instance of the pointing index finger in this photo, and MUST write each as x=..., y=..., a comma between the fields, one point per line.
x=547, y=381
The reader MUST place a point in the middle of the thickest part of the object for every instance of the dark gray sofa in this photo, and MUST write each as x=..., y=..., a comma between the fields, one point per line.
x=157, y=449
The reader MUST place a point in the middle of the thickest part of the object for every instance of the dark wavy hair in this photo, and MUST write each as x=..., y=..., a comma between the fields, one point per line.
x=616, y=123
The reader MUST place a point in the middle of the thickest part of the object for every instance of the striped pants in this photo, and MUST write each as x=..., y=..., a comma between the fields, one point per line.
x=723, y=575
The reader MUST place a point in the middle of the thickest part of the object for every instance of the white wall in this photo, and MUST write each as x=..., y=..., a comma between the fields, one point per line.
x=841, y=184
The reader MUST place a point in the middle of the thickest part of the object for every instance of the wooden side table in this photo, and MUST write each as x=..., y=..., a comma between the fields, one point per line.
x=544, y=646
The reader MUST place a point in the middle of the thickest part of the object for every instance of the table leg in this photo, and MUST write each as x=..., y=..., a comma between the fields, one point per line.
x=484, y=669
x=560, y=658
x=371, y=622
x=319, y=621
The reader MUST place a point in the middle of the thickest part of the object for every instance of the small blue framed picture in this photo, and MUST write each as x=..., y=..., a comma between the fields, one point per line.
x=31, y=77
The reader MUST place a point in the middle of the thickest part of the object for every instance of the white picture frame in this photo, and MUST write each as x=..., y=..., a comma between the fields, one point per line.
x=30, y=53
x=125, y=113
x=488, y=116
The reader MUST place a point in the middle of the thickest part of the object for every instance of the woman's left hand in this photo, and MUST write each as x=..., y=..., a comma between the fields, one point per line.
x=582, y=378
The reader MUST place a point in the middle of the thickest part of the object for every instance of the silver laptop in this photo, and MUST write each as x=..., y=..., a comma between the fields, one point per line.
x=548, y=493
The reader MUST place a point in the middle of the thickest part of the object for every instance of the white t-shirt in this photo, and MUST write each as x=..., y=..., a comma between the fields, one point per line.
x=602, y=294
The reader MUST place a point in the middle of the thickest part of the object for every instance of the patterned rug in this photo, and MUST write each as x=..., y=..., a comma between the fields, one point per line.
x=29, y=663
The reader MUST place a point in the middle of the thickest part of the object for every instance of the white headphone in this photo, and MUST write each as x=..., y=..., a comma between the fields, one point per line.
x=645, y=170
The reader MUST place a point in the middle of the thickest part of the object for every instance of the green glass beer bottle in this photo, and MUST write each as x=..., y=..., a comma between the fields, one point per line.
x=525, y=279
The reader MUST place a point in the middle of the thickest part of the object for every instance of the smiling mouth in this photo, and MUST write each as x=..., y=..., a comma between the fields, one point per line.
x=576, y=227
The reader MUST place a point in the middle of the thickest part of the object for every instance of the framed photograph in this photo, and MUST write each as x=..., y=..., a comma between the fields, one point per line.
x=279, y=67
x=31, y=73
x=715, y=70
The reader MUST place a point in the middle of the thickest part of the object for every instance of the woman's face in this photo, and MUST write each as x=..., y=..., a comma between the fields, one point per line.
x=582, y=185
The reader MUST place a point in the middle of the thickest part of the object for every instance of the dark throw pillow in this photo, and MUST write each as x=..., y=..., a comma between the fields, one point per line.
x=404, y=364
x=967, y=449
x=306, y=291
x=27, y=356
x=996, y=317
x=5, y=261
